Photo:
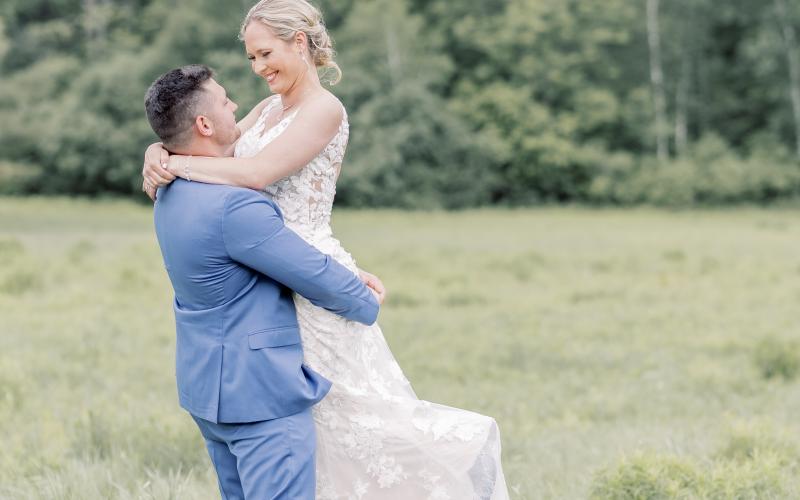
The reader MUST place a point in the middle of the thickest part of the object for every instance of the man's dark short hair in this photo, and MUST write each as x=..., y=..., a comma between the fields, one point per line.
x=172, y=100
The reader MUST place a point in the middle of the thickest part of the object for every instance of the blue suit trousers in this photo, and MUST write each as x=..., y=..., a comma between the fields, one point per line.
x=267, y=460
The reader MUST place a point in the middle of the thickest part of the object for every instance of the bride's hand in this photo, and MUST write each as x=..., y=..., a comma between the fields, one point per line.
x=178, y=166
x=154, y=171
x=375, y=285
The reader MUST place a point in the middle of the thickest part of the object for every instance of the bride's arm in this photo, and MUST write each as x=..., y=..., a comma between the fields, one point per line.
x=252, y=117
x=155, y=155
x=316, y=123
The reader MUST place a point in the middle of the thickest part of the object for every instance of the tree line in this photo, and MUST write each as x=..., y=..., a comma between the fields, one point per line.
x=451, y=104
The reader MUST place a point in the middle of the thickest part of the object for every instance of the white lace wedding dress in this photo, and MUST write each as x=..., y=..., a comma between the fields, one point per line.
x=376, y=439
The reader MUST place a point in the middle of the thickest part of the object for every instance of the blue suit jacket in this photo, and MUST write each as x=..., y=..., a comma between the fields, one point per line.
x=233, y=265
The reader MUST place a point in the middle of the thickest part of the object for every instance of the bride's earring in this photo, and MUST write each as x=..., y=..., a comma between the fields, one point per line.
x=302, y=54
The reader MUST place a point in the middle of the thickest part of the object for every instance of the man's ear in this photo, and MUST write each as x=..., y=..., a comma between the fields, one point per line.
x=204, y=126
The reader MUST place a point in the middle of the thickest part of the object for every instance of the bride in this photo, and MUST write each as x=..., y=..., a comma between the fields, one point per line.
x=375, y=438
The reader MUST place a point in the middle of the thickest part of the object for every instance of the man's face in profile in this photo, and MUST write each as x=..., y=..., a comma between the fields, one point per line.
x=220, y=110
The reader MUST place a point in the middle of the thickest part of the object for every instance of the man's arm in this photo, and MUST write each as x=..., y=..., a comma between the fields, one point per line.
x=255, y=235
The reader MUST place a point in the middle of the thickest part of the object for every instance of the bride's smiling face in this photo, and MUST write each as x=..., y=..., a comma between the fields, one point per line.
x=277, y=61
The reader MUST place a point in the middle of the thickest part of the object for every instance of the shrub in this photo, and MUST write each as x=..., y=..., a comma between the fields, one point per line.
x=762, y=478
x=18, y=178
x=710, y=175
x=20, y=281
x=648, y=477
x=756, y=460
x=777, y=358
x=656, y=477
x=753, y=439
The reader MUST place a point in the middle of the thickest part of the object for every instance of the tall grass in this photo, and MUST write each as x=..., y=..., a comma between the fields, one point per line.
x=623, y=353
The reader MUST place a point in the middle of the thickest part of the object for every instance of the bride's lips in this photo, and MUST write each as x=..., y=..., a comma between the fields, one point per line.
x=271, y=77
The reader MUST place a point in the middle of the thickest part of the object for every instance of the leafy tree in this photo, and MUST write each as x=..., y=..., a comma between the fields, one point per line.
x=407, y=148
x=451, y=104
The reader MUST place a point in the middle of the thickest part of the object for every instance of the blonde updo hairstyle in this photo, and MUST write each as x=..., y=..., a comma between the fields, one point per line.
x=285, y=18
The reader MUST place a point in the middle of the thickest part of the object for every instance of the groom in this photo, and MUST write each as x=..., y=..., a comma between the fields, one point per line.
x=233, y=265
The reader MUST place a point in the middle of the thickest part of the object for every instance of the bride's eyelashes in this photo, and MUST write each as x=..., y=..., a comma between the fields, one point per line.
x=263, y=54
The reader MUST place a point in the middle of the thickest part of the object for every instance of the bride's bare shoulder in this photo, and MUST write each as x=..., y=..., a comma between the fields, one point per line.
x=327, y=102
x=325, y=109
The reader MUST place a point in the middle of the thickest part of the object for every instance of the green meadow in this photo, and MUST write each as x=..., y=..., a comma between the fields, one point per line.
x=635, y=354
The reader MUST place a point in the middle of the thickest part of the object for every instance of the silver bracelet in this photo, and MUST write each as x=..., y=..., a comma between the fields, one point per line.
x=186, y=169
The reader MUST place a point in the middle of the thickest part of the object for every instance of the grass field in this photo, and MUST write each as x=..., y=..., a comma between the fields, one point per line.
x=625, y=354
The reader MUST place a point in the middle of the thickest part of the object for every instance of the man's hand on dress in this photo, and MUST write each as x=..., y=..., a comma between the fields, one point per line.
x=375, y=285
x=154, y=171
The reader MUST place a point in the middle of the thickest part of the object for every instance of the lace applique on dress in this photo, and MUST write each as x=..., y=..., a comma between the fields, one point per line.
x=375, y=439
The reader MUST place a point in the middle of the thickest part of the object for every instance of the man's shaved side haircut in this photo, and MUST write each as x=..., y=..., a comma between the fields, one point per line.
x=172, y=102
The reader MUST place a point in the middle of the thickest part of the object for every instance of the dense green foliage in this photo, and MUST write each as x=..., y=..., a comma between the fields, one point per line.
x=451, y=103
x=756, y=460
x=624, y=353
